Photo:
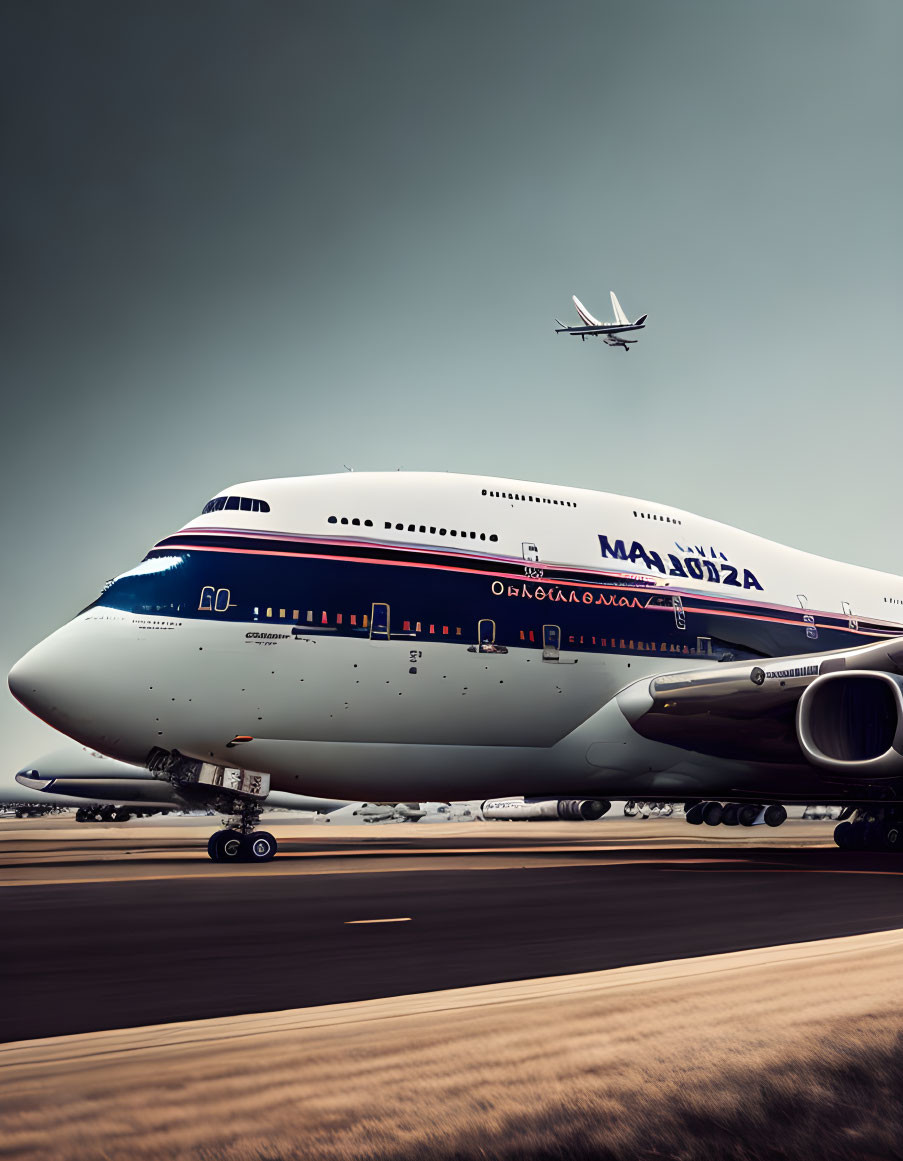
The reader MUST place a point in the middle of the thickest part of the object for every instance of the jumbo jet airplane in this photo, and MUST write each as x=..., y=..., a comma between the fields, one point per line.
x=427, y=636
x=608, y=332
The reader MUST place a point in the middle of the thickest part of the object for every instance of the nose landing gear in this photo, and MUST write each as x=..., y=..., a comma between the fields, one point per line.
x=230, y=789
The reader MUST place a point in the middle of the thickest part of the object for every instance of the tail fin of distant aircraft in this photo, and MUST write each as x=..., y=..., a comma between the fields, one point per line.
x=620, y=317
x=639, y=322
x=584, y=313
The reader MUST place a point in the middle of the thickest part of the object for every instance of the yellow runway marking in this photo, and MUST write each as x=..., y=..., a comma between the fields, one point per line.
x=356, y=922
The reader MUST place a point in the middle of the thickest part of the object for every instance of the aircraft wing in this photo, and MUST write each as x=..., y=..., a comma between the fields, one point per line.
x=842, y=711
x=601, y=329
x=592, y=326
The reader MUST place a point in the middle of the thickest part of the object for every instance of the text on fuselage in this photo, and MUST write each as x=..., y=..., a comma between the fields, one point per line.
x=688, y=567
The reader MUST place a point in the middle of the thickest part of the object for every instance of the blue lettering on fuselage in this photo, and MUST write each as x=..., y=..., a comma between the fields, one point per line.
x=688, y=567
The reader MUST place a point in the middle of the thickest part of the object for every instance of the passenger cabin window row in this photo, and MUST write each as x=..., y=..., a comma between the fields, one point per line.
x=432, y=529
x=655, y=516
x=893, y=601
x=235, y=504
x=533, y=499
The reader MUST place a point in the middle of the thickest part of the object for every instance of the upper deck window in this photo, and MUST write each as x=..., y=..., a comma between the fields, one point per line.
x=235, y=504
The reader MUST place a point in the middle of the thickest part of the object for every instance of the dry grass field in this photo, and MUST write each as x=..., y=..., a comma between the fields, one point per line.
x=792, y=1052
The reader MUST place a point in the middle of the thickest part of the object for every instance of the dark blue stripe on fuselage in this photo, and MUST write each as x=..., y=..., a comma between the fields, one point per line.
x=330, y=586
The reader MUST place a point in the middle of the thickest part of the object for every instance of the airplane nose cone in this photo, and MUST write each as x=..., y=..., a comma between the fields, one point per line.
x=40, y=681
x=72, y=682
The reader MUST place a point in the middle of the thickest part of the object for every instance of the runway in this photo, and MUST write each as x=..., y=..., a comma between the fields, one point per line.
x=118, y=927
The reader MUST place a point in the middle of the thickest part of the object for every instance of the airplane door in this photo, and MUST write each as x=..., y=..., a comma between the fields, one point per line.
x=849, y=614
x=551, y=642
x=485, y=632
x=379, y=622
x=530, y=550
x=680, y=617
x=808, y=618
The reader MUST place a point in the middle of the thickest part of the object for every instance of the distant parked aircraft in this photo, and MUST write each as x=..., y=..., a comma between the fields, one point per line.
x=608, y=332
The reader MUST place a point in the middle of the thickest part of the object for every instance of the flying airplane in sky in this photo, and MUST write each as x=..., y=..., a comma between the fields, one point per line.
x=396, y=636
x=608, y=332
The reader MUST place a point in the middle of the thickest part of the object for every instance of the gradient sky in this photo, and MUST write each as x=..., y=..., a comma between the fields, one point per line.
x=245, y=240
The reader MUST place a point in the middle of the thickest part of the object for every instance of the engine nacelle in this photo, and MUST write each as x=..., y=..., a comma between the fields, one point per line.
x=569, y=809
x=851, y=723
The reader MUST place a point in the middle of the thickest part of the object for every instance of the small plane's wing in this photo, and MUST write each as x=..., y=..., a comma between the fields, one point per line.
x=620, y=317
x=592, y=326
x=585, y=315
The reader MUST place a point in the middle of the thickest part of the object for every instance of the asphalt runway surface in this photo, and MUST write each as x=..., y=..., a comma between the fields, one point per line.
x=119, y=928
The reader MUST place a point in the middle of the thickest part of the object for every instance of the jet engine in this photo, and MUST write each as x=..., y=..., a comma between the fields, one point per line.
x=569, y=809
x=851, y=723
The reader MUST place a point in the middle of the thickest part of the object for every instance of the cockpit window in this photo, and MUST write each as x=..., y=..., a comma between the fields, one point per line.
x=235, y=503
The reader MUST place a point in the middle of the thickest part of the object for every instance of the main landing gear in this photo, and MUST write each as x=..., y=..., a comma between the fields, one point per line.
x=879, y=828
x=240, y=842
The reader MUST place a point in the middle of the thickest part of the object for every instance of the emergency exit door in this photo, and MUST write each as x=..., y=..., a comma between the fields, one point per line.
x=379, y=622
x=551, y=642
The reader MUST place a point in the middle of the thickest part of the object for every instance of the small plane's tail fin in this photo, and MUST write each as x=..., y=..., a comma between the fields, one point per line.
x=561, y=325
x=620, y=317
x=639, y=322
x=584, y=313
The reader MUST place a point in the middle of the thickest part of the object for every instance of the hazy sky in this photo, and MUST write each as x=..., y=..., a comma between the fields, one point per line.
x=259, y=239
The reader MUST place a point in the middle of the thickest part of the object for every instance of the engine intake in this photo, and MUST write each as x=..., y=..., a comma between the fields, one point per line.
x=852, y=724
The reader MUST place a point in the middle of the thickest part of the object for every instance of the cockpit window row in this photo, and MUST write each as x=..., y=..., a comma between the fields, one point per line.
x=655, y=516
x=432, y=529
x=235, y=504
x=524, y=496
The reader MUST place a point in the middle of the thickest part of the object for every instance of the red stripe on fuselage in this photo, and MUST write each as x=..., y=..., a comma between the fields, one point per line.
x=733, y=611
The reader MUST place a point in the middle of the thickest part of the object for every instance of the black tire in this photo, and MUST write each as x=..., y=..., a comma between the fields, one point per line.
x=81, y=815
x=730, y=815
x=712, y=813
x=893, y=836
x=259, y=847
x=227, y=846
x=774, y=815
x=842, y=835
x=747, y=814
x=694, y=814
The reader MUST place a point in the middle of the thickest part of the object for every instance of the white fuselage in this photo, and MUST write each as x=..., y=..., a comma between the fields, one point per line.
x=388, y=636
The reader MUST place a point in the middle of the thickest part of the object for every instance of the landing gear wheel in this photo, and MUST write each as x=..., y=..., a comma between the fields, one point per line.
x=842, y=835
x=258, y=847
x=893, y=836
x=225, y=846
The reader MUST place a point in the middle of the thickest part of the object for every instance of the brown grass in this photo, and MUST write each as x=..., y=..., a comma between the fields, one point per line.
x=792, y=1053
